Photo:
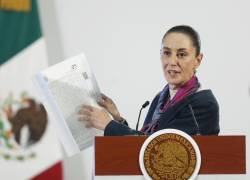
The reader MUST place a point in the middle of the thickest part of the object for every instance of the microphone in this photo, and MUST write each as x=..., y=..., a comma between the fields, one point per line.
x=142, y=107
x=196, y=123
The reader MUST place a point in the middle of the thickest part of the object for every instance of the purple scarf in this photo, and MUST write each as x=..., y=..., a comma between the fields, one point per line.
x=164, y=102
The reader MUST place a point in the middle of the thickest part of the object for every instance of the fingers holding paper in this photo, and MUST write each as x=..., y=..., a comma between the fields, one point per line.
x=109, y=105
x=94, y=117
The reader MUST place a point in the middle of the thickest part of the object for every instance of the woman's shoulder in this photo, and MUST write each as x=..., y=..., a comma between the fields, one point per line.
x=203, y=97
x=204, y=93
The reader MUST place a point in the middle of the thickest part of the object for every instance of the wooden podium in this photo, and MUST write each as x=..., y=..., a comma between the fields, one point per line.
x=219, y=155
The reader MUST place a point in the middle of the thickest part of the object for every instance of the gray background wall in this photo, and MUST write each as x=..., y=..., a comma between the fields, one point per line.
x=121, y=40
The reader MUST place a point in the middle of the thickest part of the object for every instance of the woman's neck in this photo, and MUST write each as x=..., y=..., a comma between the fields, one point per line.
x=172, y=91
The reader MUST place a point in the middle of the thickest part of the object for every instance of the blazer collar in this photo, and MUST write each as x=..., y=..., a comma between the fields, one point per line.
x=173, y=110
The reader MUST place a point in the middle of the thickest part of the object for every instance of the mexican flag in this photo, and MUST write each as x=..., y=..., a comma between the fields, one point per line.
x=28, y=146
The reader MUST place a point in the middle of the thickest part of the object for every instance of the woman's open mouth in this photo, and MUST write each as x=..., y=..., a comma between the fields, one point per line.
x=173, y=72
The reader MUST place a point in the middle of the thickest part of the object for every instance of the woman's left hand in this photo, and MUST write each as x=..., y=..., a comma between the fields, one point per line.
x=94, y=117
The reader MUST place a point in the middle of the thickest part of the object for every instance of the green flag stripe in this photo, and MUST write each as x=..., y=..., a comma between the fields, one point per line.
x=17, y=31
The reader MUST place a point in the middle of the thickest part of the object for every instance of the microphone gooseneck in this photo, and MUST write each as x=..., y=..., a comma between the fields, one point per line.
x=195, y=121
x=143, y=106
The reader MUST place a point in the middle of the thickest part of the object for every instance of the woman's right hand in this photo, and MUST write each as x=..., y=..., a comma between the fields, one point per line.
x=110, y=106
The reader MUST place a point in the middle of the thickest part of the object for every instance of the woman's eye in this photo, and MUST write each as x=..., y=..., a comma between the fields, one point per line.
x=181, y=55
x=166, y=53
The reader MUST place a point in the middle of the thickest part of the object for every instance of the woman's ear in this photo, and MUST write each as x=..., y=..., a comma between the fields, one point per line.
x=198, y=60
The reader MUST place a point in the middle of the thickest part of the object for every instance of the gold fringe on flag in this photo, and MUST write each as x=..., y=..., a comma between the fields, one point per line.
x=16, y=5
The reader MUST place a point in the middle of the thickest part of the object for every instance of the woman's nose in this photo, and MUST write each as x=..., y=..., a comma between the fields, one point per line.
x=173, y=60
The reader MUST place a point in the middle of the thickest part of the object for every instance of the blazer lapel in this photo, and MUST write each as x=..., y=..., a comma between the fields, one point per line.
x=172, y=111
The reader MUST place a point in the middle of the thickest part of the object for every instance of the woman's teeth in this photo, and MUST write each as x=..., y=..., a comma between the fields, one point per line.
x=172, y=72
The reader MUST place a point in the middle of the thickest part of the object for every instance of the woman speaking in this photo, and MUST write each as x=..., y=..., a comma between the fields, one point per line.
x=182, y=104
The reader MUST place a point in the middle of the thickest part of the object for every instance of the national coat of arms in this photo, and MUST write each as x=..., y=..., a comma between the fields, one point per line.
x=22, y=124
x=171, y=155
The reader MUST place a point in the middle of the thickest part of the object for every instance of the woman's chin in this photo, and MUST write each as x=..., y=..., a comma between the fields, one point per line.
x=173, y=81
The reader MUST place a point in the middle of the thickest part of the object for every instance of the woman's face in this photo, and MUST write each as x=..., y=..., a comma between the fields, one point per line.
x=179, y=59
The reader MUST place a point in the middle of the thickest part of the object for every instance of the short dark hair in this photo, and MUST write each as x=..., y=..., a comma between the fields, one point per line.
x=190, y=32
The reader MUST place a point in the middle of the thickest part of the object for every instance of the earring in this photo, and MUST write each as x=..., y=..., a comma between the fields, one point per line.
x=195, y=71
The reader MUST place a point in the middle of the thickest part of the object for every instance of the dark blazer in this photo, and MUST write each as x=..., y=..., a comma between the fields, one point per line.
x=197, y=113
